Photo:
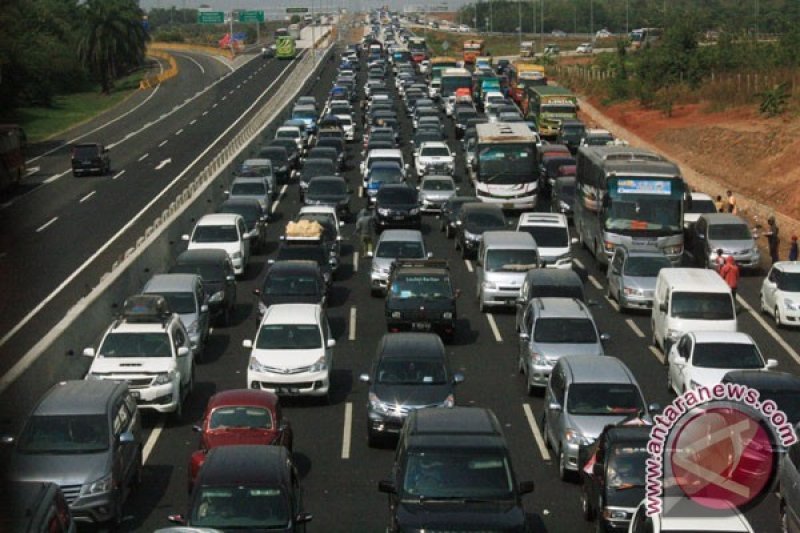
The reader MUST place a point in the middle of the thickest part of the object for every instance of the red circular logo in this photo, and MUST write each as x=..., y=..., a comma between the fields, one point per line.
x=721, y=457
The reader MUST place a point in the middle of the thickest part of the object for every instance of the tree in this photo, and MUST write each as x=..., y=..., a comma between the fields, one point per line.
x=112, y=40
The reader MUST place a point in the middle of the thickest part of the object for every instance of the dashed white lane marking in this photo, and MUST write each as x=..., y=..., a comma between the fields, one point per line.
x=347, y=430
x=238, y=86
x=86, y=197
x=31, y=171
x=658, y=354
x=774, y=334
x=597, y=284
x=152, y=438
x=205, y=113
x=231, y=91
x=279, y=198
x=351, y=336
x=224, y=98
x=46, y=224
x=118, y=174
x=54, y=177
x=162, y=143
x=634, y=327
x=355, y=261
x=468, y=264
x=143, y=157
x=578, y=262
x=193, y=122
x=214, y=105
x=537, y=435
x=493, y=325
x=612, y=303
x=179, y=131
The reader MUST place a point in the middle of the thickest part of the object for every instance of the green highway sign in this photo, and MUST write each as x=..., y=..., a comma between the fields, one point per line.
x=297, y=10
x=251, y=16
x=210, y=17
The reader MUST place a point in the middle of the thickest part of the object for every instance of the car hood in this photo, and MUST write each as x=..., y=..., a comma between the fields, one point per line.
x=552, y=253
x=62, y=469
x=707, y=376
x=732, y=246
x=412, y=395
x=399, y=207
x=453, y=516
x=641, y=282
x=553, y=351
x=288, y=358
x=436, y=195
x=132, y=365
x=239, y=436
x=326, y=199
x=628, y=497
x=592, y=425
x=229, y=247
x=273, y=299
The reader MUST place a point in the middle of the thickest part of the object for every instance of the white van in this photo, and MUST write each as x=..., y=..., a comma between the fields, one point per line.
x=690, y=299
x=504, y=258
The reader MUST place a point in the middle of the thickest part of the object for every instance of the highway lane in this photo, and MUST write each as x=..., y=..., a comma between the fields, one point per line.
x=339, y=472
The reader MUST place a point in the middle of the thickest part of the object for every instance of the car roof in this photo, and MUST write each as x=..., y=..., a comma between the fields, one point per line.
x=543, y=219
x=318, y=179
x=217, y=219
x=247, y=179
x=385, y=152
x=401, y=234
x=623, y=433
x=693, y=280
x=78, y=397
x=553, y=276
x=554, y=307
x=792, y=267
x=764, y=379
x=597, y=369
x=434, y=144
x=405, y=344
x=726, y=337
x=505, y=239
x=247, y=397
x=723, y=218
x=243, y=465
x=326, y=209
x=296, y=266
x=202, y=255
x=171, y=283
x=292, y=314
x=456, y=427
x=479, y=207
x=701, y=196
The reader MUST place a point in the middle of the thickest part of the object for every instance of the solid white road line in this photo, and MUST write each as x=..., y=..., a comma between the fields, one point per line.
x=355, y=261
x=347, y=430
x=537, y=435
x=352, y=333
x=118, y=174
x=193, y=60
x=162, y=143
x=597, y=284
x=152, y=438
x=657, y=353
x=468, y=264
x=769, y=329
x=578, y=262
x=493, y=325
x=143, y=157
x=612, y=303
x=634, y=327
x=46, y=224
x=87, y=197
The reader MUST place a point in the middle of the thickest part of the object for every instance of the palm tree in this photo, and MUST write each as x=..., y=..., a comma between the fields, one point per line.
x=113, y=39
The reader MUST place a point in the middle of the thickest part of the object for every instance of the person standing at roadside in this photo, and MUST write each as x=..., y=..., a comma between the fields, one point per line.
x=365, y=227
x=719, y=203
x=793, y=249
x=731, y=199
x=730, y=273
x=719, y=261
x=773, y=239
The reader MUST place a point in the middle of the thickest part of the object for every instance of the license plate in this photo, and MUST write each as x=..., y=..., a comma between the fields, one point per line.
x=135, y=394
x=287, y=390
x=423, y=326
x=398, y=217
x=508, y=205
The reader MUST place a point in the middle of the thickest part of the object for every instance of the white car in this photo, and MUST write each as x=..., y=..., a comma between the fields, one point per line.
x=424, y=66
x=223, y=231
x=699, y=203
x=294, y=133
x=551, y=233
x=348, y=126
x=463, y=28
x=293, y=351
x=780, y=293
x=434, y=157
x=584, y=48
x=702, y=358
x=492, y=99
x=603, y=34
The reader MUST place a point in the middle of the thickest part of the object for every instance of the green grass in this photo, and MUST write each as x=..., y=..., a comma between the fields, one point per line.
x=72, y=109
x=500, y=45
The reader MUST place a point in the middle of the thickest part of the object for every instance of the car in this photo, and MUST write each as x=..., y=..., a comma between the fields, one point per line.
x=223, y=231
x=449, y=213
x=696, y=204
x=294, y=281
x=603, y=34
x=548, y=283
x=584, y=48
x=185, y=295
x=219, y=280
x=293, y=351
x=631, y=276
x=434, y=191
x=686, y=515
x=780, y=293
x=35, y=507
x=282, y=165
x=397, y=206
x=255, y=218
x=502, y=260
x=596, y=137
x=392, y=245
x=551, y=233
x=728, y=232
x=316, y=166
x=90, y=158
x=434, y=157
x=247, y=487
x=410, y=371
x=550, y=329
x=562, y=196
x=463, y=28
x=332, y=225
x=781, y=387
x=570, y=134
x=329, y=191
x=86, y=437
x=382, y=173
x=239, y=416
x=149, y=347
x=472, y=221
x=259, y=168
x=702, y=358
x=558, y=33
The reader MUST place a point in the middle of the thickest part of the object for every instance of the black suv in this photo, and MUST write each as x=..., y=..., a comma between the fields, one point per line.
x=90, y=158
x=420, y=297
x=452, y=471
x=219, y=280
x=291, y=282
x=397, y=206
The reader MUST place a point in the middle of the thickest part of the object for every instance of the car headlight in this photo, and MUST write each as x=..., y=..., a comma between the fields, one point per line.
x=93, y=377
x=396, y=314
x=383, y=211
x=217, y=297
x=615, y=514
x=575, y=437
x=675, y=249
x=377, y=405
x=319, y=365
x=491, y=285
x=450, y=401
x=447, y=315
x=471, y=236
x=790, y=305
x=165, y=378
x=236, y=255
x=104, y=484
x=539, y=359
x=256, y=366
x=632, y=291
x=414, y=211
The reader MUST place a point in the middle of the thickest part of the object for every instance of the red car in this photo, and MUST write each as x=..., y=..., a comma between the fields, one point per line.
x=240, y=416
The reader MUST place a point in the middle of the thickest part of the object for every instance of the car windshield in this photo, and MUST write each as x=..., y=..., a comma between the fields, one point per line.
x=250, y=212
x=411, y=371
x=548, y=236
x=603, y=399
x=729, y=232
x=726, y=355
x=215, y=234
x=437, y=185
x=305, y=113
x=240, y=507
x=788, y=401
x=789, y=281
x=421, y=286
x=511, y=260
x=486, y=221
x=431, y=475
x=598, y=140
x=400, y=250
x=318, y=168
x=289, y=337
x=386, y=174
x=702, y=306
x=64, y=434
x=240, y=416
x=397, y=196
x=554, y=164
x=138, y=344
x=327, y=187
x=702, y=206
x=287, y=134
x=85, y=152
x=626, y=466
x=208, y=271
x=435, y=151
x=180, y=302
x=646, y=267
x=249, y=189
x=565, y=331
x=290, y=285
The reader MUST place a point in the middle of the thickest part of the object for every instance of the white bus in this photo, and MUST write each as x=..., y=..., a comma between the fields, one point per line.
x=504, y=168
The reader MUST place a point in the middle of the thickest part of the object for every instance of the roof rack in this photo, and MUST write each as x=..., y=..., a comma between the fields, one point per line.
x=421, y=263
x=146, y=308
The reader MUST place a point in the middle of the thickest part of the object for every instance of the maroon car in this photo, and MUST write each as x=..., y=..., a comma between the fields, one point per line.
x=240, y=416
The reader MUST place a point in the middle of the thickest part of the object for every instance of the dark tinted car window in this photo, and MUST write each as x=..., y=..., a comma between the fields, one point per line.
x=397, y=196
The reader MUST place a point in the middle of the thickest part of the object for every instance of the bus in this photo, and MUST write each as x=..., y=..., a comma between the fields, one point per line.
x=548, y=105
x=294, y=31
x=452, y=80
x=472, y=49
x=281, y=32
x=628, y=197
x=418, y=48
x=441, y=63
x=645, y=36
x=12, y=155
x=286, y=47
x=504, y=171
x=521, y=75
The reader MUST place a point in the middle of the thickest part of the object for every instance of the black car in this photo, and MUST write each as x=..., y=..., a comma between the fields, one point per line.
x=615, y=481
x=501, y=66
x=316, y=252
x=324, y=152
x=550, y=170
x=410, y=371
x=424, y=135
x=781, y=387
x=247, y=487
x=570, y=134
x=313, y=167
x=449, y=214
x=339, y=145
x=329, y=190
x=420, y=297
x=255, y=218
x=472, y=220
x=563, y=196
x=461, y=116
x=292, y=151
x=452, y=472
x=281, y=164
x=90, y=158
x=397, y=206
x=219, y=280
x=291, y=282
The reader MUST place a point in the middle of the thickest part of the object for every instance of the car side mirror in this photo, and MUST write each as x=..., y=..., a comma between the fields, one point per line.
x=126, y=437
x=364, y=378
x=429, y=255
x=176, y=519
x=183, y=351
x=247, y=343
x=772, y=363
x=197, y=428
x=524, y=336
x=605, y=337
x=7, y=439
x=89, y=352
x=554, y=406
x=458, y=377
x=654, y=408
x=331, y=343
x=204, y=308
x=341, y=223
x=525, y=487
x=597, y=469
x=303, y=518
x=185, y=237
x=387, y=487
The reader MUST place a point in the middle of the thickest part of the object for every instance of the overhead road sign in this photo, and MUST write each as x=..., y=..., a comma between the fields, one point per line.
x=251, y=16
x=210, y=17
x=297, y=10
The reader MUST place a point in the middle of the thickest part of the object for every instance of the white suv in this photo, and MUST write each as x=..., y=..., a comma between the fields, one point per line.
x=149, y=348
x=223, y=231
x=293, y=351
x=434, y=157
x=551, y=233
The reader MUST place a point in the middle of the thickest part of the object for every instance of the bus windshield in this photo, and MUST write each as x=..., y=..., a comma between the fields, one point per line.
x=644, y=205
x=505, y=163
